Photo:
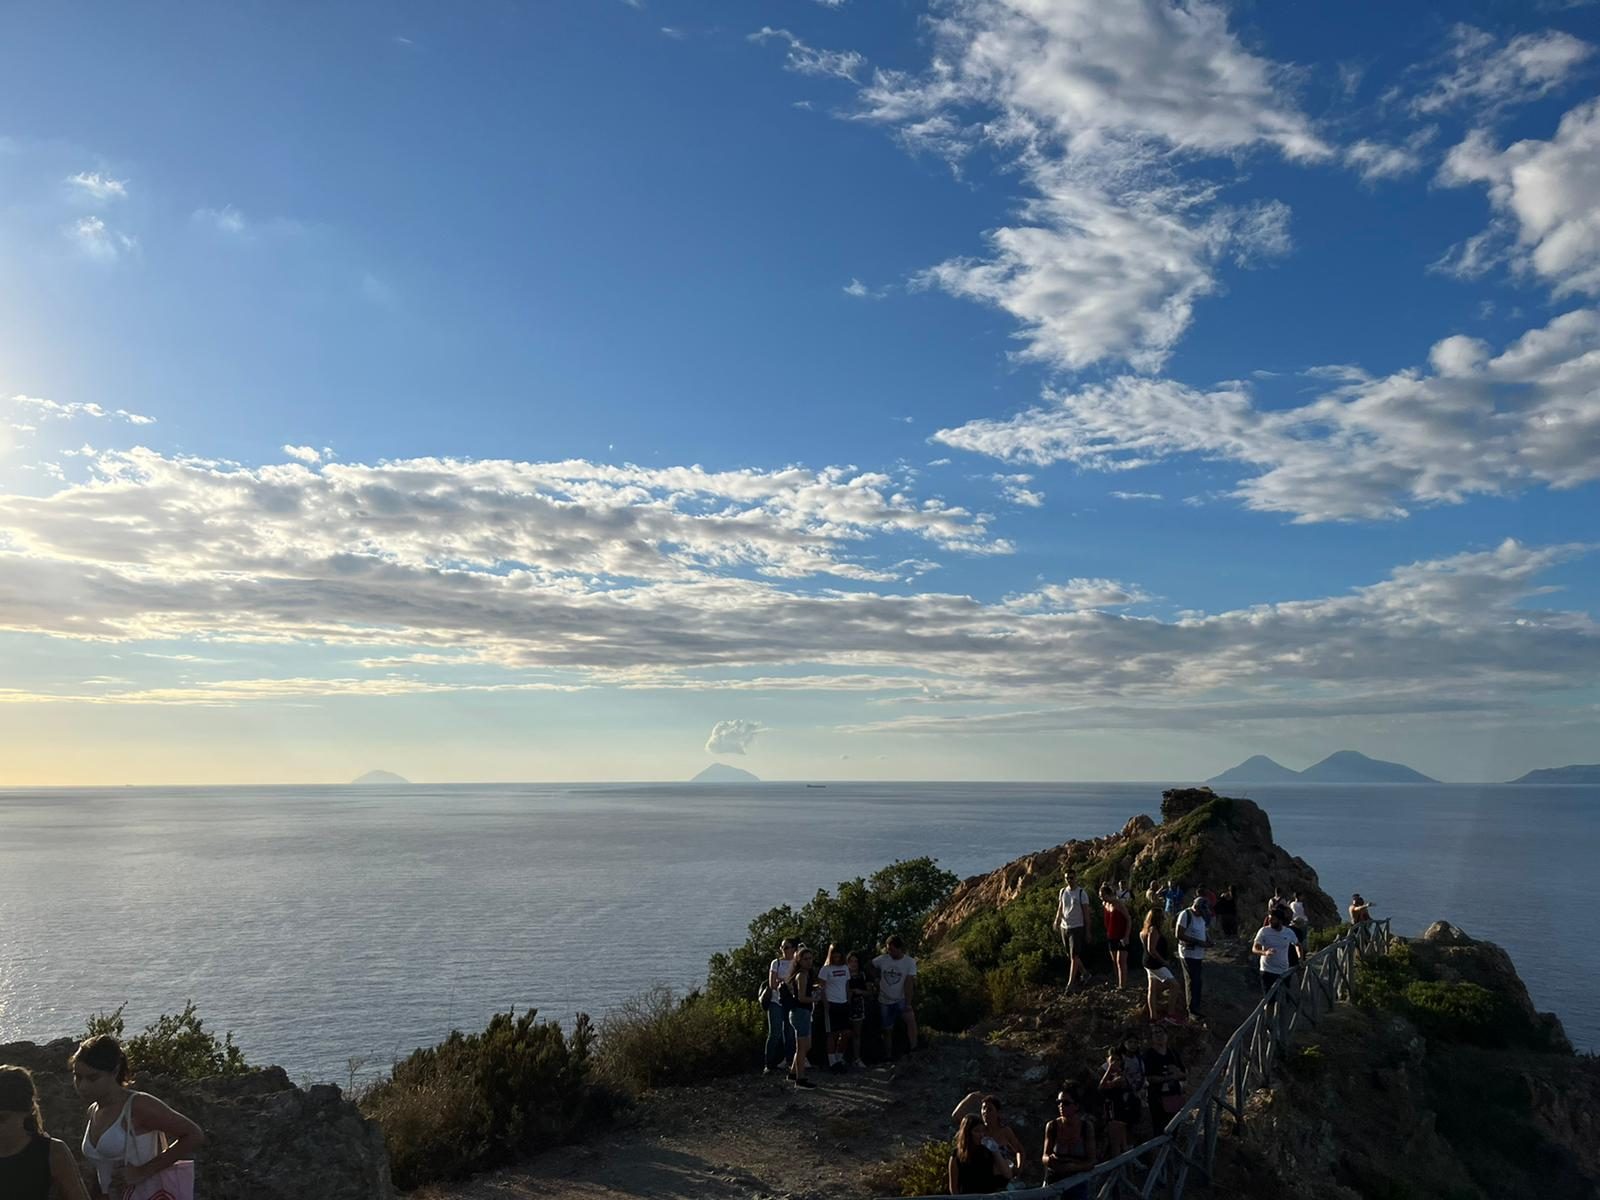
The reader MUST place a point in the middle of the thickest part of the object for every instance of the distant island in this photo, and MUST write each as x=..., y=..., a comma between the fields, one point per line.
x=1577, y=773
x=1342, y=766
x=378, y=778
x=722, y=773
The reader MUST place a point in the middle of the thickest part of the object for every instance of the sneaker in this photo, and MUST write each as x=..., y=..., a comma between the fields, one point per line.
x=859, y=1065
x=805, y=1083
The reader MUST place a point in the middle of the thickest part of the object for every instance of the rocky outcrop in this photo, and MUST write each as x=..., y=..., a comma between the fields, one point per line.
x=1447, y=954
x=266, y=1138
x=1203, y=839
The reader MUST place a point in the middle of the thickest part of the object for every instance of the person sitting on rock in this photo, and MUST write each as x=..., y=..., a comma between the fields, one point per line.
x=1068, y=1144
x=1119, y=931
x=33, y=1165
x=972, y=1169
x=131, y=1136
x=1163, y=984
x=997, y=1136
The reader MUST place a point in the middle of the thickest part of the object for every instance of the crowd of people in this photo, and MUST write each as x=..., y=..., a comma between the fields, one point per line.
x=134, y=1146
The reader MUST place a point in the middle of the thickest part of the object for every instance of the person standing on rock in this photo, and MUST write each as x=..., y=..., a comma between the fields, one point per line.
x=131, y=1136
x=780, y=1036
x=1072, y=920
x=1277, y=950
x=1158, y=971
x=33, y=1165
x=802, y=987
x=858, y=988
x=1300, y=918
x=834, y=975
x=897, y=989
x=1193, y=938
x=1119, y=931
x=1227, y=912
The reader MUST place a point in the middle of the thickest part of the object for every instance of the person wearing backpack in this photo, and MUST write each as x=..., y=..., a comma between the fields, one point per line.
x=1072, y=920
x=1193, y=938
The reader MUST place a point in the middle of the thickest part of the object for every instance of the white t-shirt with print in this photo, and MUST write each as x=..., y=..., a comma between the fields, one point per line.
x=835, y=982
x=892, y=975
x=1194, y=925
x=1277, y=942
x=1072, y=904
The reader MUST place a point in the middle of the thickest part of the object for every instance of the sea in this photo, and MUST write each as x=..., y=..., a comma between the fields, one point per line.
x=334, y=929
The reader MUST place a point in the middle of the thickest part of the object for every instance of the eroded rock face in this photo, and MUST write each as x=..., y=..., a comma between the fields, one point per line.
x=1206, y=839
x=266, y=1138
x=1449, y=954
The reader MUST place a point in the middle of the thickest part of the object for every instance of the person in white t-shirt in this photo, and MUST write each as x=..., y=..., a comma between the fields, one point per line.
x=897, y=990
x=834, y=976
x=1072, y=921
x=1193, y=938
x=1277, y=949
x=1300, y=919
x=780, y=1036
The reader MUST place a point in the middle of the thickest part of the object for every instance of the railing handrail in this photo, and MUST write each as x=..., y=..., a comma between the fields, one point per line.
x=1198, y=1117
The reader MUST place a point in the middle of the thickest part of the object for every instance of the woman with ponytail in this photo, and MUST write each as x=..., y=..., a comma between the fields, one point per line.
x=132, y=1137
x=33, y=1165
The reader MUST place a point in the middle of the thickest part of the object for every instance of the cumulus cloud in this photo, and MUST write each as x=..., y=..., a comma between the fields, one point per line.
x=1546, y=195
x=732, y=737
x=1474, y=422
x=1096, y=104
x=1080, y=594
x=1481, y=73
x=306, y=454
x=97, y=187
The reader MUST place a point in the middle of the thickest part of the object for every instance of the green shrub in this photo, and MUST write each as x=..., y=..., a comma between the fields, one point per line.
x=860, y=916
x=1320, y=938
x=178, y=1046
x=924, y=1171
x=1460, y=1012
x=479, y=1099
x=1006, y=985
x=950, y=995
x=1381, y=979
x=656, y=1038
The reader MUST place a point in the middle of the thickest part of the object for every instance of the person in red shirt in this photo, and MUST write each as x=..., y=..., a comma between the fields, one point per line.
x=1119, y=931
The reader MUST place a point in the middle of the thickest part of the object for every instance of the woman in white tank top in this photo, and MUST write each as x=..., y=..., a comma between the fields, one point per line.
x=131, y=1135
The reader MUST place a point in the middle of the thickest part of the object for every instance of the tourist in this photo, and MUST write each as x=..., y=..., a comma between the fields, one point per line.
x=1300, y=918
x=1125, y=893
x=973, y=1169
x=1121, y=1094
x=1277, y=949
x=33, y=1165
x=802, y=988
x=1163, y=1079
x=775, y=1000
x=1193, y=938
x=997, y=1136
x=1072, y=921
x=1163, y=984
x=1360, y=910
x=1119, y=931
x=834, y=975
x=858, y=987
x=897, y=980
x=1170, y=898
x=131, y=1136
x=1068, y=1144
x=1227, y=911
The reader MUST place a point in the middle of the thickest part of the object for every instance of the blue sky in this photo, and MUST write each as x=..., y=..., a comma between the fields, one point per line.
x=984, y=389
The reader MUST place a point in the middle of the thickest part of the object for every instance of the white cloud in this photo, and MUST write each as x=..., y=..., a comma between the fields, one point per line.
x=1136, y=495
x=862, y=292
x=35, y=408
x=804, y=59
x=1013, y=488
x=97, y=240
x=305, y=454
x=1080, y=595
x=733, y=737
x=227, y=219
x=97, y=187
x=1476, y=423
x=1374, y=160
x=1481, y=73
x=1549, y=191
x=1096, y=103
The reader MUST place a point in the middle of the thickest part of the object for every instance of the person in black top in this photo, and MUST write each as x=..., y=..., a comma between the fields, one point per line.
x=33, y=1165
x=1163, y=1079
x=1227, y=910
x=972, y=1168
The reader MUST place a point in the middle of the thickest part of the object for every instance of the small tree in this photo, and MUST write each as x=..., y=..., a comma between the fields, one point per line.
x=176, y=1045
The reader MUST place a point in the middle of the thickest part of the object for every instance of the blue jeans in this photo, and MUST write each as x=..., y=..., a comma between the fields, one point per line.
x=780, y=1036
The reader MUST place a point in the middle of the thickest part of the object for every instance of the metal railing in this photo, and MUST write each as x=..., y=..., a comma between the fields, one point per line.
x=1163, y=1166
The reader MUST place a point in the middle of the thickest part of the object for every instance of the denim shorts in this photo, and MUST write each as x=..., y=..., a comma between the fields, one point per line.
x=800, y=1020
x=889, y=1013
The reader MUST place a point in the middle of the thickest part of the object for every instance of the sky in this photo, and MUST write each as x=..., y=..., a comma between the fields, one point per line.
x=975, y=389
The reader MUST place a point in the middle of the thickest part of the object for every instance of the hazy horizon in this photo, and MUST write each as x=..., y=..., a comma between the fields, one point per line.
x=969, y=389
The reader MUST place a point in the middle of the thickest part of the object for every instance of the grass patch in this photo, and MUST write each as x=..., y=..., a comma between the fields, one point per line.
x=656, y=1038
x=924, y=1171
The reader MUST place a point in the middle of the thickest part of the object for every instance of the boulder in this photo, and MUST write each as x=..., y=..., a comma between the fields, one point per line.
x=266, y=1139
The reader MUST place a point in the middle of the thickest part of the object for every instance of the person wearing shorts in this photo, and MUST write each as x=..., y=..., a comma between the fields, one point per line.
x=834, y=975
x=897, y=976
x=1158, y=971
x=1119, y=931
x=1072, y=920
x=802, y=985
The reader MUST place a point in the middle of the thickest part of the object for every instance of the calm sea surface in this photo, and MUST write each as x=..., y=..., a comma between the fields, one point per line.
x=323, y=924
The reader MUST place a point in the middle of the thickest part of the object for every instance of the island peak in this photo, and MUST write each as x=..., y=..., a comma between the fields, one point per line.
x=723, y=773
x=379, y=779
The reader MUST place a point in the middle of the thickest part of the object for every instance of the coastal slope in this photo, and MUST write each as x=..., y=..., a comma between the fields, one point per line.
x=1585, y=773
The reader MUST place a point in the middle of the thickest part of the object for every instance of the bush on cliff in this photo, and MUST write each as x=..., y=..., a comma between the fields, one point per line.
x=860, y=916
x=657, y=1038
x=178, y=1046
x=950, y=995
x=479, y=1099
x=924, y=1171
